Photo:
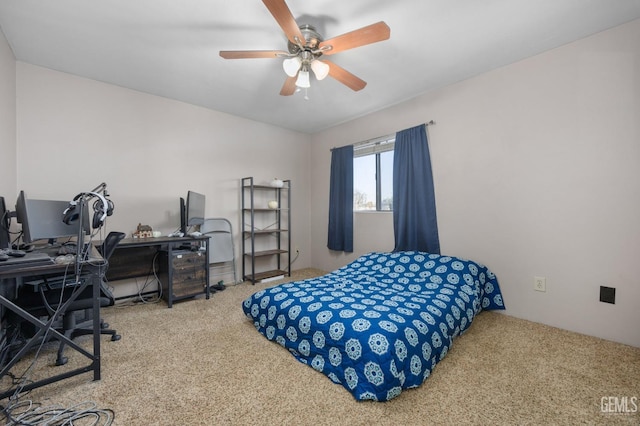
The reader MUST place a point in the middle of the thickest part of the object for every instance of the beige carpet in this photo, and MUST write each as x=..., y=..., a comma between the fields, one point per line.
x=203, y=363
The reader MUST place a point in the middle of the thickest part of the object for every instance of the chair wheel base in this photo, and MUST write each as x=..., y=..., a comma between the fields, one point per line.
x=115, y=337
x=62, y=360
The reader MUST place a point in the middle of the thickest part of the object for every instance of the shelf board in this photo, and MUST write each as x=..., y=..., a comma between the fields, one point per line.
x=267, y=252
x=265, y=275
x=267, y=209
x=264, y=231
x=266, y=187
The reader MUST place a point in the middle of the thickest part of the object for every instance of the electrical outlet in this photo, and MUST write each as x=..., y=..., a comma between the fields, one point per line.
x=608, y=294
x=540, y=283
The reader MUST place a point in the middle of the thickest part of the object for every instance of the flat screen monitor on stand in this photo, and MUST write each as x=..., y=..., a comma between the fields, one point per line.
x=191, y=212
x=42, y=220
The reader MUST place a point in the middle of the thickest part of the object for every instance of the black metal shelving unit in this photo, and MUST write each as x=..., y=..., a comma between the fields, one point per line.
x=255, y=244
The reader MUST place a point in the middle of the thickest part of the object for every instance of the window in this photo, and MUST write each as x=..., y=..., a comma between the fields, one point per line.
x=373, y=175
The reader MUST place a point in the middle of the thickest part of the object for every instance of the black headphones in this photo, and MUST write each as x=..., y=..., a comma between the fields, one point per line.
x=102, y=208
x=100, y=214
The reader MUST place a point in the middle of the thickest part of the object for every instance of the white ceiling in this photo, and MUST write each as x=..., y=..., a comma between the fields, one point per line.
x=170, y=47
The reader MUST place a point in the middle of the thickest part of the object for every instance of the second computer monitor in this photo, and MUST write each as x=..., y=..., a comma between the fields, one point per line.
x=195, y=208
x=42, y=220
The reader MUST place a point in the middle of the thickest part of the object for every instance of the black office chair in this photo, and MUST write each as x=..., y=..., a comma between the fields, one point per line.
x=74, y=324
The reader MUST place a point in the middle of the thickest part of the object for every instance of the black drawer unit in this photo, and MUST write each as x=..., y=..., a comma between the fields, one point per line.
x=183, y=273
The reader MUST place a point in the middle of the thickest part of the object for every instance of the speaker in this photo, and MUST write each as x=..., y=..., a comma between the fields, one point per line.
x=102, y=208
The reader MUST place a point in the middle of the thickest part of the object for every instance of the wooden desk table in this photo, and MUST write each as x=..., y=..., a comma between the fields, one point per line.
x=181, y=264
x=92, y=274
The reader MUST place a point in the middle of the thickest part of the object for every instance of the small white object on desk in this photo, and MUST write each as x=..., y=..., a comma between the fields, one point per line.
x=195, y=234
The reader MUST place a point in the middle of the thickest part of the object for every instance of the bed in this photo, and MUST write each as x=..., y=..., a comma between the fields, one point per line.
x=379, y=324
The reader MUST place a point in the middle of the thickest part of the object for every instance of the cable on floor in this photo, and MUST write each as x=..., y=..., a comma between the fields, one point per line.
x=28, y=413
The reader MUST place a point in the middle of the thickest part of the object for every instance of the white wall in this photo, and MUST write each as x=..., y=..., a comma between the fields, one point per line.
x=74, y=133
x=7, y=120
x=537, y=173
x=536, y=168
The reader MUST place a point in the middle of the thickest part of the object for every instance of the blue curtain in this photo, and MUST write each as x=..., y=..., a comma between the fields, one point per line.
x=414, y=206
x=341, y=200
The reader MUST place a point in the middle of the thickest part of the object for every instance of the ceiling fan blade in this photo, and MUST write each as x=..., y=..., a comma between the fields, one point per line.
x=345, y=77
x=366, y=35
x=245, y=54
x=289, y=86
x=285, y=19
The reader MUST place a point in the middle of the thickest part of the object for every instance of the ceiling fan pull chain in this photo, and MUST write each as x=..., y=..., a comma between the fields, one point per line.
x=298, y=43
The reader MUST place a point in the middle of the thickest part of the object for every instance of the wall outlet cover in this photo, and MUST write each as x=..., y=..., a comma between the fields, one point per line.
x=608, y=294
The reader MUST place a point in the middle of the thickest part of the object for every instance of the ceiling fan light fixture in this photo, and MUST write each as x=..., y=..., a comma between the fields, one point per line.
x=303, y=79
x=305, y=45
x=291, y=66
x=320, y=69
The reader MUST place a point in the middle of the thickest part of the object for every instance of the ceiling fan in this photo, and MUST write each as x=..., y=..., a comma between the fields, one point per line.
x=306, y=46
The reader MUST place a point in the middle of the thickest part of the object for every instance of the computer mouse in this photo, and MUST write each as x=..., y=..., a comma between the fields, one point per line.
x=16, y=253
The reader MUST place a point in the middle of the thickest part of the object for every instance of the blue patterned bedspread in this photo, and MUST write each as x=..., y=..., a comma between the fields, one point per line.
x=379, y=324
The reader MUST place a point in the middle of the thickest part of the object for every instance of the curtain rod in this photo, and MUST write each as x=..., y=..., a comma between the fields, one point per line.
x=428, y=123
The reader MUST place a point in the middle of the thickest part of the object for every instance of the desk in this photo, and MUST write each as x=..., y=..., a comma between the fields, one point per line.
x=135, y=257
x=93, y=273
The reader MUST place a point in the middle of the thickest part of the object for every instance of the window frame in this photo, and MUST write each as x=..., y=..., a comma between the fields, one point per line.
x=375, y=147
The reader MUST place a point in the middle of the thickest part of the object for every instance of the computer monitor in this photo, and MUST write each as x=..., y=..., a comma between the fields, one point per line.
x=195, y=208
x=5, y=222
x=192, y=211
x=42, y=220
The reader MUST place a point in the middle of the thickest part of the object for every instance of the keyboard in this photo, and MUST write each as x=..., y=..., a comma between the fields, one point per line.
x=28, y=260
x=54, y=282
